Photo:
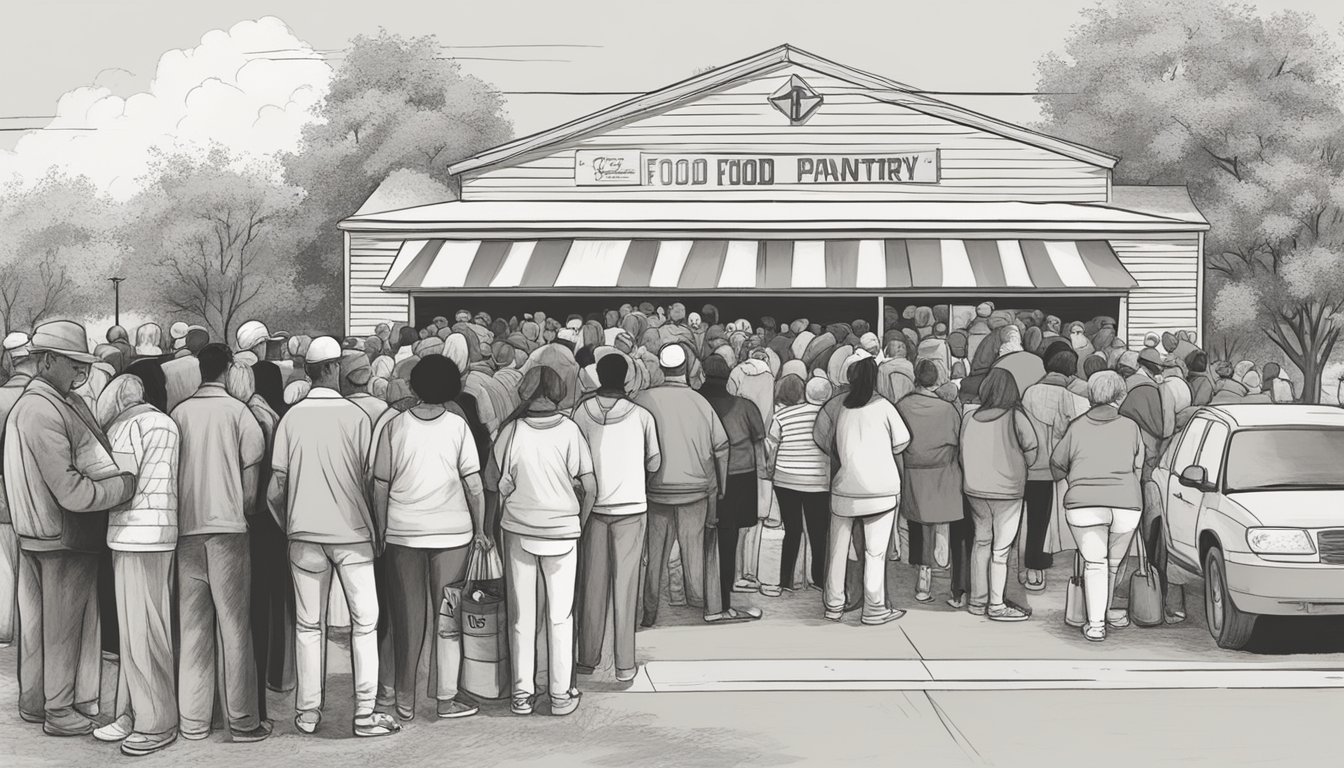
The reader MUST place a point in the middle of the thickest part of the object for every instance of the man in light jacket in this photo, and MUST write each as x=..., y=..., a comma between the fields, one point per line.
x=55, y=463
x=22, y=366
x=683, y=491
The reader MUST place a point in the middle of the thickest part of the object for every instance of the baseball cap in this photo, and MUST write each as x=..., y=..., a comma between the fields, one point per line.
x=356, y=368
x=16, y=344
x=252, y=333
x=323, y=349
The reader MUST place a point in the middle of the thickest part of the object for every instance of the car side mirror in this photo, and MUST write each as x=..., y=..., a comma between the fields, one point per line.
x=1195, y=476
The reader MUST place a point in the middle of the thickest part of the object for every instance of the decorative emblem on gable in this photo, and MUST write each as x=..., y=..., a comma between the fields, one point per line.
x=796, y=100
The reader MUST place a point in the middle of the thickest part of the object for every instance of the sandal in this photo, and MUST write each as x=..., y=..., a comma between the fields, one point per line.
x=734, y=616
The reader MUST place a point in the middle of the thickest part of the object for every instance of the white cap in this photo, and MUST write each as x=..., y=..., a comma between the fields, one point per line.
x=252, y=333
x=16, y=344
x=324, y=349
x=178, y=330
x=672, y=356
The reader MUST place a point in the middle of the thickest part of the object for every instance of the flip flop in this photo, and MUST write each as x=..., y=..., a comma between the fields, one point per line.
x=735, y=616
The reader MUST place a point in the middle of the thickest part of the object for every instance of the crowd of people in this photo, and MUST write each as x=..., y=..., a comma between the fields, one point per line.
x=634, y=457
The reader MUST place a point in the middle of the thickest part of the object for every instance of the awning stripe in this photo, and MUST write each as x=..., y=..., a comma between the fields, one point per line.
x=544, y=266
x=671, y=260
x=1068, y=264
x=739, y=265
x=703, y=264
x=926, y=263
x=765, y=265
x=985, y=263
x=510, y=273
x=809, y=264
x=1039, y=265
x=842, y=263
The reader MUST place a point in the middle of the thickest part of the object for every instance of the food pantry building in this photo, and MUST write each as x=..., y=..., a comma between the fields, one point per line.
x=785, y=185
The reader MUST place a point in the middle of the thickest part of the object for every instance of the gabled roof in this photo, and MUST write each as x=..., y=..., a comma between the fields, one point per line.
x=777, y=58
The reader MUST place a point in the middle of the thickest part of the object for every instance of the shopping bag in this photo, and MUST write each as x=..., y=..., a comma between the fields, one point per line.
x=1145, y=591
x=1075, y=603
x=485, y=640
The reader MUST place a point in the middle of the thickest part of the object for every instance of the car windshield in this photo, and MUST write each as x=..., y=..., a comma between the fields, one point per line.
x=1286, y=459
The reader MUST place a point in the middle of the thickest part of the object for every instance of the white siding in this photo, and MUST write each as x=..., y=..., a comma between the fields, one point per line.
x=975, y=164
x=369, y=257
x=1167, y=270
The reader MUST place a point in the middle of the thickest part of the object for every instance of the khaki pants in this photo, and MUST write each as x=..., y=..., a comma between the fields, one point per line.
x=145, y=674
x=60, y=660
x=214, y=583
x=535, y=581
x=876, y=539
x=311, y=567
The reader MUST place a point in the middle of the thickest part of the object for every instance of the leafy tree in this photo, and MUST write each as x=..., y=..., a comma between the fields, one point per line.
x=50, y=236
x=213, y=243
x=1245, y=109
x=394, y=104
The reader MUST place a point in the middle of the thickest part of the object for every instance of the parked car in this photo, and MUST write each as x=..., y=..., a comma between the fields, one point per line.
x=1251, y=498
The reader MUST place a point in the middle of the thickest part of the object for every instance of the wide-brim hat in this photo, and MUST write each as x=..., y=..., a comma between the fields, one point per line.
x=65, y=338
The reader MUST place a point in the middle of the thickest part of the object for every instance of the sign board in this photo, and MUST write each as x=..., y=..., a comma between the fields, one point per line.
x=723, y=171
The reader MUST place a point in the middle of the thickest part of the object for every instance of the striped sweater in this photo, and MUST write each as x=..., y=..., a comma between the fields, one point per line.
x=799, y=463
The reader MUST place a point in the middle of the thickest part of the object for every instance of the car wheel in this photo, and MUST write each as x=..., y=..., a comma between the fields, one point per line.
x=1230, y=627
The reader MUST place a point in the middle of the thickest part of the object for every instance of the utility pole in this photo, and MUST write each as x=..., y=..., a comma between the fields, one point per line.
x=116, y=298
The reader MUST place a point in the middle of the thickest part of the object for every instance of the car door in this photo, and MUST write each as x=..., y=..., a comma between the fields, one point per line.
x=1211, y=459
x=1182, y=507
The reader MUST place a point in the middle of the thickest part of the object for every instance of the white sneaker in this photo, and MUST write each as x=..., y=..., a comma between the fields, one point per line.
x=1117, y=618
x=116, y=730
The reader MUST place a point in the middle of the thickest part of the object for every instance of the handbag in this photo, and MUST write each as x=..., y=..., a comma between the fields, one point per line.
x=1145, y=591
x=1075, y=602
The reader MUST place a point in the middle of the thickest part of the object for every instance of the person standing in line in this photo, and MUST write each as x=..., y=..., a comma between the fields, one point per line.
x=318, y=494
x=219, y=460
x=1101, y=457
x=22, y=368
x=998, y=443
x=542, y=456
x=623, y=440
x=869, y=433
x=801, y=474
x=56, y=460
x=932, y=474
x=690, y=433
x=143, y=536
x=737, y=509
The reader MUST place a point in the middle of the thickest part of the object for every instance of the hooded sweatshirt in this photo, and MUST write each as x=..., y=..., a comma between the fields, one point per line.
x=624, y=442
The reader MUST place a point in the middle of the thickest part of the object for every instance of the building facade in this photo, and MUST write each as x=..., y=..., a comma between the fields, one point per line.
x=790, y=185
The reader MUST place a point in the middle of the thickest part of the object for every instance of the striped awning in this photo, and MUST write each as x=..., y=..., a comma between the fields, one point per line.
x=756, y=265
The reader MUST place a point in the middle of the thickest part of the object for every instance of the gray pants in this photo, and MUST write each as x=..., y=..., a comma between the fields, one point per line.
x=417, y=578
x=145, y=690
x=214, y=578
x=60, y=663
x=685, y=523
x=610, y=553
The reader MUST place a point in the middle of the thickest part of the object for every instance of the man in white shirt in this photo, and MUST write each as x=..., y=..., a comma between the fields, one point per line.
x=624, y=444
x=318, y=495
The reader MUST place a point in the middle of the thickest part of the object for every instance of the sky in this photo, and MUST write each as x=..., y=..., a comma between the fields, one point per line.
x=197, y=77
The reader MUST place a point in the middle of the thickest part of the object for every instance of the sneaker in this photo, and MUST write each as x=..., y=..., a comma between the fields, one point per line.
x=1007, y=613
x=306, y=722
x=746, y=584
x=116, y=730
x=889, y=616
x=405, y=712
x=68, y=723
x=1035, y=580
x=1175, y=617
x=976, y=609
x=376, y=724
x=834, y=615
x=259, y=733
x=522, y=705
x=957, y=602
x=141, y=744
x=772, y=591
x=197, y=735
x=924, y=585
x=1117, y=618
x=626, y=675
x=1094, y=634
x=451, y=709
x=567, y=705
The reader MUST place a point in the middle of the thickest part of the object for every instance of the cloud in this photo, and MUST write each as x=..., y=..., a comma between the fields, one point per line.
x=220, y=92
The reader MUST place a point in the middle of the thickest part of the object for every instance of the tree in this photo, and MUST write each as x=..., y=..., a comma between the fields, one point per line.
x=1244, y=109
x=56, y=251
x=213, y=242
x=394, y=103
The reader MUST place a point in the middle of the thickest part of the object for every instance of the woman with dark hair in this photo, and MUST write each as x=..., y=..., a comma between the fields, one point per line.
x=542, y=456
x=150, y=372
x=430, y=509
x=800, y=472
x=270, y=385
x=866, y=489
x=998, y=443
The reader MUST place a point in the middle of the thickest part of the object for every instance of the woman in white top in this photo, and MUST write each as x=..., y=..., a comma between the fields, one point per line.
x=866, y=488
x=430, y=507
x=542, y=456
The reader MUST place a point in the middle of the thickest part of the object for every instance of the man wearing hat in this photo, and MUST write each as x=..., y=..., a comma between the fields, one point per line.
x=252, y=338
x=177, y=332
x=57, y=462
x=356, y=372
x=684, y=490
x=22, y=366
x=318, y=494
x=220, y=452
x=1146, y=406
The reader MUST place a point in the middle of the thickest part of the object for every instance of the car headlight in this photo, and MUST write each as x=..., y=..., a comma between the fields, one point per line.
x=1279, y=541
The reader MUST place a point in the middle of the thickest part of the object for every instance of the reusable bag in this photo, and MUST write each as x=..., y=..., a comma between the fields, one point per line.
x=1075, y=604
x=1145, y=592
